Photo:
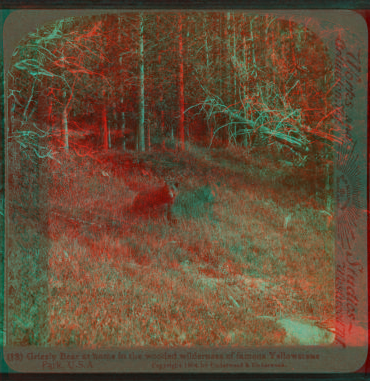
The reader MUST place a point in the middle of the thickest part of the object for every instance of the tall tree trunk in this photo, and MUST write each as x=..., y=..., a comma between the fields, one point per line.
x=234, y=72
x=273, y=60
x=109, y=138
x=121, y=42
x=65, y=129
x=105, y=128
x=246, y=108
x=160, y=88
x=141, y=132
x=181, y=89
x=225, y=69
x=230, y=99
x=65, y=117
x=208, y=82
x=328, y=158
x=123, y=132
x=148, y=134
x=227, y=81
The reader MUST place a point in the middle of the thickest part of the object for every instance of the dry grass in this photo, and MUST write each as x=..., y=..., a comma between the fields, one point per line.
x=266, y=253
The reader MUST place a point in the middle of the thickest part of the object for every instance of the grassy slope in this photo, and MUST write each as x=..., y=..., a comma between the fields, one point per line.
x=267, y=253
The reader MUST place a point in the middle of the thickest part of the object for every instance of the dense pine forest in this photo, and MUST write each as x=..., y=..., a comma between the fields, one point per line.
x=177, y=169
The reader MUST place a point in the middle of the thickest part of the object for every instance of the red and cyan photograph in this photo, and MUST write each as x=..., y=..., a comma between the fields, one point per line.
x=170, y=180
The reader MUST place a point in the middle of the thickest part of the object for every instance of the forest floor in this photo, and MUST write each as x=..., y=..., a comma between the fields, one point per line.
x=264, y=255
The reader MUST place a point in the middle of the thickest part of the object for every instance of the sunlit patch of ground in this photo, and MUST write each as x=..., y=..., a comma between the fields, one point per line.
x=304, y=333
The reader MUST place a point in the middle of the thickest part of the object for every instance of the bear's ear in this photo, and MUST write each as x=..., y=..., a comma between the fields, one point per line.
x=176, y=184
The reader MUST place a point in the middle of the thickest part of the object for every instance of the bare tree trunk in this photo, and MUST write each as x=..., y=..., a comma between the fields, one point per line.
x=161, y=89
x=123, y=132
x=234, y=73
x=105, y=128
x=137, y=138
x=65, y=118
x=228, y=82
x=225, y=69
x=246, y=66
x=148, y=130
x=141, y=132
x=181, y=90
x=109, y=138
x=209, y=125
x=65, y=129
x=328, y=158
